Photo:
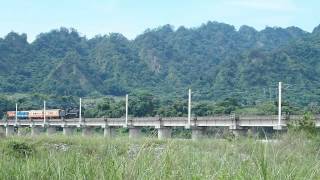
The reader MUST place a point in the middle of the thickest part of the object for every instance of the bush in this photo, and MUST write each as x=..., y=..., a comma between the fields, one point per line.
x=20, y=149
x=307, y=124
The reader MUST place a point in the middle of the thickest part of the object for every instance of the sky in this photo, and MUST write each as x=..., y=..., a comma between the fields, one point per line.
x=133, y=17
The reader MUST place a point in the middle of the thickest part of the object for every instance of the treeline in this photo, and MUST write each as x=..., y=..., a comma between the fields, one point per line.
x=144, y=104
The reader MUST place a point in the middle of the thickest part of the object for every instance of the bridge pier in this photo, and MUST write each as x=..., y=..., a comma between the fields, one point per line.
x=51, y=130
x=197, y=133
x=239, y=132
x=10, y=131
x=68, y=130
x=134, y=132
x=164, y=132
x=278, y=128
x=109, y=132
x=23, y=130
x=252, y=132
x=2, y=131
x=87, y=131
x=35, y=130
x=20, y=131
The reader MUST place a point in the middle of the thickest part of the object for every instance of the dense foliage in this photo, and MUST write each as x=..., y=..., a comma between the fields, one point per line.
x=217, y=61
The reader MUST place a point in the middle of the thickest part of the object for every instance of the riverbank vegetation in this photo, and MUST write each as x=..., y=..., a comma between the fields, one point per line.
x=289, y=156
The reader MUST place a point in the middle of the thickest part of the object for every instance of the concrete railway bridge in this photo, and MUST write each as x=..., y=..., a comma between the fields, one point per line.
x=164, y=125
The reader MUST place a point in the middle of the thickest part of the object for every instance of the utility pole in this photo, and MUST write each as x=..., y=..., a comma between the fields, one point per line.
x=16, y=118
x=127, y=99
x=80, y=111
x=44, y=112
x=279, y=105
x=189, y=109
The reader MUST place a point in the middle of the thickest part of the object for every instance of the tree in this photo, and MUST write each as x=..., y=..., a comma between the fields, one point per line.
x=143, y=104
x=203, y=109
x=5, y=105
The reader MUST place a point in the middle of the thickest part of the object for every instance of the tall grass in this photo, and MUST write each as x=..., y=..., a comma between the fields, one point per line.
x=292, y=156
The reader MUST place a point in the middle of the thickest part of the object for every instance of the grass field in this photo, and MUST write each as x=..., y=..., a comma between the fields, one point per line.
x=292, y=156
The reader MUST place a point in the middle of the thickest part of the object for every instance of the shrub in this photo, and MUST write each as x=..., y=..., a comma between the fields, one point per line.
x=306, y=123
x=20, y=149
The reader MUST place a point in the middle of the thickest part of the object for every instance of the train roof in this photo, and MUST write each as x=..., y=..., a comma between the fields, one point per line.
x=37, y=110
x=46, y=109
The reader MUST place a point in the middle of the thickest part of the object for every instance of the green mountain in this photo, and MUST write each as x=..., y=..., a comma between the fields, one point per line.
x=216, y=60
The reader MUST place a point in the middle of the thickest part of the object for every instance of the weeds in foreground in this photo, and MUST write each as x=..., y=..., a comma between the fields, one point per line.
x=292, y=156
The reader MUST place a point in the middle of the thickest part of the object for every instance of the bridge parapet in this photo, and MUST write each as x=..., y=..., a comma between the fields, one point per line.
x=210, y=121
x=222, y=121
x=263, y=121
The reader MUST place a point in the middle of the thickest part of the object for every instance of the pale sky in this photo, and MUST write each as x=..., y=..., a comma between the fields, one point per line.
x=132, y=17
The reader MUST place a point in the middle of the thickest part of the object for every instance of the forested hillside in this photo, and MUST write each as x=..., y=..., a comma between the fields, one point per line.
x=216, y=60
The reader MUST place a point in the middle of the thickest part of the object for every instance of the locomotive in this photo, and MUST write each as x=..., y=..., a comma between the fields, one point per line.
x=50, y=114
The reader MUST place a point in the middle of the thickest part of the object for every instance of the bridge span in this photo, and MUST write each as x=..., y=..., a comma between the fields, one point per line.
x=164, y=125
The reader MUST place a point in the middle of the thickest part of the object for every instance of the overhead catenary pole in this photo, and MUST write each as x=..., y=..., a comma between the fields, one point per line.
x=80, y=110
x=44, y=112
x=189, y=109
x=16, y=116
x=279, y=105
x=127, y=97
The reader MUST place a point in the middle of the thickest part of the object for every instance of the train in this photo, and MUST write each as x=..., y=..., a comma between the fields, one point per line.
x=39, y=114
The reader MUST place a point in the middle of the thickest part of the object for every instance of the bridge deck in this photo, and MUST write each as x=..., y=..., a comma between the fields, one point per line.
x=214, y=121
